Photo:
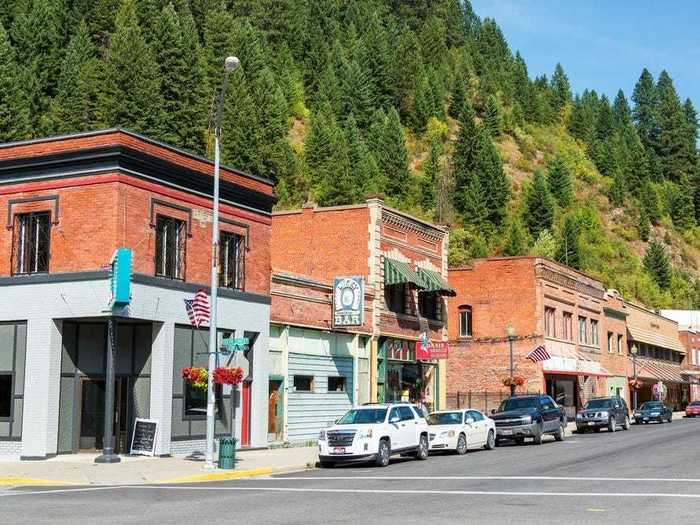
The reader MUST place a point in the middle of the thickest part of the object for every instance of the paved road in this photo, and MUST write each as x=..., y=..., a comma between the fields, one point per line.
x=650, y=474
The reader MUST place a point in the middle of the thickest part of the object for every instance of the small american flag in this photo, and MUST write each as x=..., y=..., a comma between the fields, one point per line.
x=198, y=308
x=538, y=354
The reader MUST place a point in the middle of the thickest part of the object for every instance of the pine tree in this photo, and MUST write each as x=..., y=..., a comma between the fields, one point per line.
x=14, y=106
x=690, y=152
x=561, y=89
x=539, y=205
x=545, y=245
x=516, y=241
x=645, y=101
x=423, y=104
x=644, y=227
x=649, y=199
x=74, y=108
x=621, y=111
x=559, y=180
x=432, y=173
x=670, y=146
x=356, y=95
x=366, y=177
x=492, y=117
x=657, y=264
x=683, y=208
x=130, y=94
x=618, y=189
x=489, y=167
x=459, y=93
x=569, y=251
x=392, y=156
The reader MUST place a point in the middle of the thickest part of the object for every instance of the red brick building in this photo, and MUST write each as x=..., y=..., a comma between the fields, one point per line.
x=541, y=303
x=67, y=204
x=402, y=262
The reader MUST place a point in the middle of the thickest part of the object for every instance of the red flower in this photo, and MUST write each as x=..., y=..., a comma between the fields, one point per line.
x=228, y=376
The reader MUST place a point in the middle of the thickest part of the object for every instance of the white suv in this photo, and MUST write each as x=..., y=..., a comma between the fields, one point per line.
x=373, y=433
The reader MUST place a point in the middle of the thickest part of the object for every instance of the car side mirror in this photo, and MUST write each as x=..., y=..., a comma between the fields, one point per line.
x=493, y=411
x=394, y=419
x=469, y=420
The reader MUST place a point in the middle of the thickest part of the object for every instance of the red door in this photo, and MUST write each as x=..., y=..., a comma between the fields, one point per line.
x=245, y=421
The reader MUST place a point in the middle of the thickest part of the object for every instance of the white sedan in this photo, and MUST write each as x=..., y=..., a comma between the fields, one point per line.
x=461, y=430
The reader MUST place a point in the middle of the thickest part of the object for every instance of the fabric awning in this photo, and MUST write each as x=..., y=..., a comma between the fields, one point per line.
x=435, y=283
x=657, y=370
x=396, y=272
x=655, y=338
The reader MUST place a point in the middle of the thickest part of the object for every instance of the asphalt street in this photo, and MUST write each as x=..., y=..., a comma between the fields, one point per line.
x=649, y=474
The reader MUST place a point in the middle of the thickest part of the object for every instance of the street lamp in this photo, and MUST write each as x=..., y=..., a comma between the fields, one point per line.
x=633, y=351
x=230, y=64
x=510, y=331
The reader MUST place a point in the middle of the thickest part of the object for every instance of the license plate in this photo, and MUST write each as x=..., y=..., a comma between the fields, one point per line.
x=646, y=419
x=506, y=432
x=338, y=450
x=591, y=423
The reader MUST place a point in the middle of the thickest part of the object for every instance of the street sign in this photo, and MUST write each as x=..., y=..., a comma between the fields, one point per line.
x=235, y=344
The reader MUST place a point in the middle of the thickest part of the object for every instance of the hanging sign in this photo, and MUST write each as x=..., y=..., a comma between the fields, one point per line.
x=426, y=349
x=120, y=277
x=348, y=301
x=143, y=440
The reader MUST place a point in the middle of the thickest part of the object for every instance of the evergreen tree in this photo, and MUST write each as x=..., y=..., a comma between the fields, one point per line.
x=130, y=94
x=423, y=104
x=545, y=245
x=657, y=264
x=539, y=205
x=14, y=106
x=644, y=113
x=432, y=173
x=649, y=199
x=492, y=117
x=559, y=180
x=366, y=177
x=644, y=226
x=683, y=205
x=670, y=145
x=569, y=251
x=690, y=153
x=516, y=241
x=617, y=189
x=621, y=111
x=392, y=156
x=494, y=181
x=356, y=94
x=74, y=108
x=561, y=89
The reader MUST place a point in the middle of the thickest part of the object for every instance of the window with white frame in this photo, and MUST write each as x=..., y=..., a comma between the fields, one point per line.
x=465, y=321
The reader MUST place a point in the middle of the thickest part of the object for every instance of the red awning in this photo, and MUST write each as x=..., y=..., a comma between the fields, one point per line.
x=656, y=370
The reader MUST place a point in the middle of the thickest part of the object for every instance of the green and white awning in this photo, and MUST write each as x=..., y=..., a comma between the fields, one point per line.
x=396, y=272
x=435, y=283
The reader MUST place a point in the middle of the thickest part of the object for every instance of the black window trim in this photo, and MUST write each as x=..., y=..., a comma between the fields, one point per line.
x=218, y=403
x=14, y=258
x=312, y=385
x=390, y=306
x=436, y=314
x=345, y=385
x=183, y=241
x=243, y=248
x=10, y=418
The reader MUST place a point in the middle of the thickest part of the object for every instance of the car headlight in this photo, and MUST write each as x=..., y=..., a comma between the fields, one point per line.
x=604, y=414
x=526, y=420
x=364, y=434
x=322, y=435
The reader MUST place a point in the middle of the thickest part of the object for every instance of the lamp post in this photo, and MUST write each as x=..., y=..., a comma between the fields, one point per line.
x=633, y=351
x=230, y=64
x=510, y=331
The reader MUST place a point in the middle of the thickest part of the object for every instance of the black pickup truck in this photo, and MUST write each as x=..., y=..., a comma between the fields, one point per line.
x=529, y=416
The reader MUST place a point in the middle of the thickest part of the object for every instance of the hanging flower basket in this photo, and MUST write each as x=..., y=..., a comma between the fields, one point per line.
x=515, y=381
x=635, y=384
x=228, y=375
x=196, y=377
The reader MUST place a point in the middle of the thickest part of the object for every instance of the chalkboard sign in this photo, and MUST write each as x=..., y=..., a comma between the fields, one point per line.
x=143, y=440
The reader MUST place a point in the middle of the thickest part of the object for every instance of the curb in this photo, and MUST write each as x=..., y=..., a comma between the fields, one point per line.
x=13, y=481
x=220, y=476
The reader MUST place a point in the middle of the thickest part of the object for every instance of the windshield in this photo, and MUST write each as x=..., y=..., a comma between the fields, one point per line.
x=447, y=418
x=651, y=406
x=695, y=404
x=363, y=416
x=597, y=403
x=518, y=403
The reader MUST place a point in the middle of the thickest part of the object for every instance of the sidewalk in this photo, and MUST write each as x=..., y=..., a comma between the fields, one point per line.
x=80, y=469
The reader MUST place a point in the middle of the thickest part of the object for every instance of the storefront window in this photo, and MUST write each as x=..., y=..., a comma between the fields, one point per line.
x=195, y=402
x=5, y=395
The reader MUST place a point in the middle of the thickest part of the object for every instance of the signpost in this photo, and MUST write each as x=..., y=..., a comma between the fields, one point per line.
x=143, y=440
x=348, y=301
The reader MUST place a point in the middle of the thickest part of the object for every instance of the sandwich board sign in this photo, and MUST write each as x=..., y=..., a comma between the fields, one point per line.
x=143, y=440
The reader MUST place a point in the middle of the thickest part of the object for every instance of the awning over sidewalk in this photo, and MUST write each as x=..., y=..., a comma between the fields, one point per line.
x=657, y=370
x=396, y=272
x=572, y=361
x=655, y=338
x=435, y=283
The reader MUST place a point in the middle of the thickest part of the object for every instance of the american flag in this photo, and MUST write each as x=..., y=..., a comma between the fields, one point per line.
x=198, y=308
x=538, y=354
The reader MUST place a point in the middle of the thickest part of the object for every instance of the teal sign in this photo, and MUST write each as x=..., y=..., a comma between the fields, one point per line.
x=120, y=277
x=236, y=344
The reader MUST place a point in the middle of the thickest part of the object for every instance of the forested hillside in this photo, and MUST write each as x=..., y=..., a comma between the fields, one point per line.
x=421, y=101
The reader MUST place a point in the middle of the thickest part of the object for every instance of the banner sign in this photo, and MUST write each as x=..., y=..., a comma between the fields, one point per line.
x=348, y=301
x=426, y=349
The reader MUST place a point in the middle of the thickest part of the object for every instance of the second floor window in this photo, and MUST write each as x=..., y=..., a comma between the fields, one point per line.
x=428, y=303
x=611, y=338
x=170, y=247
x=620, y=345
x=232, y=261
x=582, y=333
x=465, y=321
x=594, y=332
x=395, y=296
x=568, y=327
x=32, y=236
x=549, y=326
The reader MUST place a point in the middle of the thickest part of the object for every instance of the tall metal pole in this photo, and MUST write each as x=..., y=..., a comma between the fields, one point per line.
x=108, y=455
x=634, y=372
x=512, y=386
x=231, y=63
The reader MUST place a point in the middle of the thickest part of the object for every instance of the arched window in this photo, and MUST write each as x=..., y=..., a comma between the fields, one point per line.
x=465, y=320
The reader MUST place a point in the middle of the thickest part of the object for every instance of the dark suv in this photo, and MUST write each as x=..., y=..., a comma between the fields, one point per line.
x=529, y=416
x=603, y=412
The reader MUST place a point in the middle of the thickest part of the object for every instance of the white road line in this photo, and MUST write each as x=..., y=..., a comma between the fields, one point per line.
x=472, y=478
x=56, y=491
x=434, y=492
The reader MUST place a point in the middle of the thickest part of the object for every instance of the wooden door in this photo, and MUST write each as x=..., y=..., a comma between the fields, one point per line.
x=245, y=416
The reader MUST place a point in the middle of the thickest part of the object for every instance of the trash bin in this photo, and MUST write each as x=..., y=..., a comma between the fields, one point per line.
x=227, y=453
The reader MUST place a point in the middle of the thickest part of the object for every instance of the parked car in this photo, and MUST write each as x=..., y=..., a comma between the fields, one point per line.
x=529, y=416
x=461, y=430
x=653, y=411
x=693, y=409
x=603, y=412
x=374, y=433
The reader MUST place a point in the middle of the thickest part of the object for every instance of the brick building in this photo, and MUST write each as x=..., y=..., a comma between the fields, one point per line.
x=541, y=303
x=689, y=334
x=319, y=369
x=68, y=204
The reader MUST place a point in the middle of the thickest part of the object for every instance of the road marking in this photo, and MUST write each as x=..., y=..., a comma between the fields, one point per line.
x=480, y=478
x=55, y=491
x=434, y=492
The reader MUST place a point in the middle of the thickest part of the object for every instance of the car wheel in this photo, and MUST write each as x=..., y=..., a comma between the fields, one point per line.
x=612, y=425
x=383, y=453
x=596, y=429
x=422, y=452
x=520, y=441
x=627, y=424
x=538, y=435
x=559, y=435
x=327, y=464
x=490, y=441
x=461, y=445
x=670, y=418
x=497, y=442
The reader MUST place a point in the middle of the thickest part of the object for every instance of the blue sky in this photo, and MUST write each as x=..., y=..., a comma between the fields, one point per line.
x=604, y=45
